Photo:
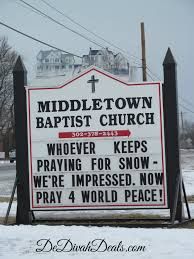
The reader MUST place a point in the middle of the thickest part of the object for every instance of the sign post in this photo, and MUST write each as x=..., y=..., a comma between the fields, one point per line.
x=23, y=215
x=96, y=143
x=172, y=136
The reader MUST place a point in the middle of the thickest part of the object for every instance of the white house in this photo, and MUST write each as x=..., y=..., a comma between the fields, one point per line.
x=107, y=60
x=54, y=62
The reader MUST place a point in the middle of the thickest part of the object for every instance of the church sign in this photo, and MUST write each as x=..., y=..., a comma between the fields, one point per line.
x=96, y=143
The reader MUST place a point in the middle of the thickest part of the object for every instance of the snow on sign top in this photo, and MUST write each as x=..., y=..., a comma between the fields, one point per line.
x=96, y=143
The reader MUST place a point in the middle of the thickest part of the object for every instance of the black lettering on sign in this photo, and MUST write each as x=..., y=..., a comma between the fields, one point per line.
x=134, y=102
x=44, y=181
x=48, y=197
x=39, y=122
x=95, y=104
x=72, y=196
x=125, y=147
x=100, y=163
x=55, y=165
x=151, y=178
x=72, y=148
x=63, y=121
x=103, y=120
x=95, y=181
x=138, y=196
x=99, y=196
x=84, y=104
x=134, y=162
x=101, y=180
x=75, y=105
x=126, y=119
x=77, y=180
x=44, y=106
x=108, y=102
x=57, y=181
x=63, y=106
x=40, y=181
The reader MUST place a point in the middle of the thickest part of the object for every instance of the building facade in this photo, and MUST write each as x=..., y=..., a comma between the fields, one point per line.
x=54, y=62
x=107, y=60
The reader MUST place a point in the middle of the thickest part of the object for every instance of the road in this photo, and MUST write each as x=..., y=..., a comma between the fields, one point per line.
x=7, y=177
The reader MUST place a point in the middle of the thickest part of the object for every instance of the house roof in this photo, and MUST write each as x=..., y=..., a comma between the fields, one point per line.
x=109, y=51
x=45, y=53
x=93, y=51
x=66, y=55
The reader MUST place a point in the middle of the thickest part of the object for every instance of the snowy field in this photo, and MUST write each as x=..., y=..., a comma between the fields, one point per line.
x=23, y=241
x=105, y=242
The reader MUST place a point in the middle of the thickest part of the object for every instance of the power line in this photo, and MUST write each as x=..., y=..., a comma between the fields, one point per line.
x=45, y=15
x=81, y=35
x=86, y=29
x=66, y=27
x=61, y=24
x=183, y=99
x=149, y=76
x=28, y=8
x=186, y=101
x=52, y=46
x=35, y=39
x=40, y=41
x=187, y=109
x=156, y=76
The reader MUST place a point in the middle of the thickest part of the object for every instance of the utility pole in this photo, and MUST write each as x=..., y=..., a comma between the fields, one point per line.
x=183, y=128
x=143, y=52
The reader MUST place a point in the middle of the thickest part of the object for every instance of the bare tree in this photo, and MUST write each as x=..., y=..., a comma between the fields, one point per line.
x=7, y=60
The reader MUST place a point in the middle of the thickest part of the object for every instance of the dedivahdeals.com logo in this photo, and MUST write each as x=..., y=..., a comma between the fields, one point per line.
x=95, y=245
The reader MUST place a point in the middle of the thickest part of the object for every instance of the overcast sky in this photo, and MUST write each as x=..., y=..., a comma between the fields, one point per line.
x=168, y=23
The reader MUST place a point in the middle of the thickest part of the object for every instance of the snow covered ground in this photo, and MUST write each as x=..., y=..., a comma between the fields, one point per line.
x=105, y=242
x=89, y=215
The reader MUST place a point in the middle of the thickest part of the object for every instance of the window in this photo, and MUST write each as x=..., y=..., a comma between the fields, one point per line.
x=46, y=60
x=57, y=60
x=56, y=67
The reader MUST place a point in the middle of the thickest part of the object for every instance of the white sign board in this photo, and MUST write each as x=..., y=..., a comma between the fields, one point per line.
x=96, y=143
